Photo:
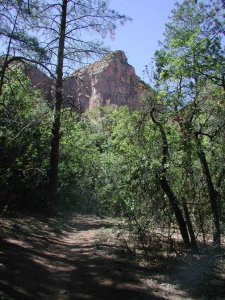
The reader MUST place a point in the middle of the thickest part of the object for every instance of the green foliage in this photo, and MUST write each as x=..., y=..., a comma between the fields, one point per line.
x=24, y=139
x=190, y=70
x=113, y=161
x=105, y=168
x=79, y=164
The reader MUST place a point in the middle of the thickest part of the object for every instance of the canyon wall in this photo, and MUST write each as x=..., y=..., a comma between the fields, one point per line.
x=108, y=82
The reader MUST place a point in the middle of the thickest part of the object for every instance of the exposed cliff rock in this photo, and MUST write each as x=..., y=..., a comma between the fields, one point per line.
x=38, y=79
x=108, y=82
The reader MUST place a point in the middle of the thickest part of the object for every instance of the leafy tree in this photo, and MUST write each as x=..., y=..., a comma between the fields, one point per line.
x=79, y=164
x=62, y=29
x=191, y=58
x=24, y=139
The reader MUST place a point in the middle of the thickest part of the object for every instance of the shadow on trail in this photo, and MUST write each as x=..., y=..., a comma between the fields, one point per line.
x=36, y=264
x=196, y=273
x=191, y=275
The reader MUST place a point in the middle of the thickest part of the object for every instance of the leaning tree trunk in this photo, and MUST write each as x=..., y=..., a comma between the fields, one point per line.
x=166, y=187
x=176, y=209
x=189, y=171
x=213, y=194
x=54, y=155
x=189, y=225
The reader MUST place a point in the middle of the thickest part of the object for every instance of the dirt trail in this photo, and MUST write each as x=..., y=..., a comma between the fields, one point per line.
x=51, y=260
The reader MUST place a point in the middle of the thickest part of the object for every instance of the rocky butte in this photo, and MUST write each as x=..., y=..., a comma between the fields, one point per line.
x=108, y=82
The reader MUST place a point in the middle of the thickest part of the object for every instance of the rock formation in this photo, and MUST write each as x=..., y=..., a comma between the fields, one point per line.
x=39, y=80
x=108, y=82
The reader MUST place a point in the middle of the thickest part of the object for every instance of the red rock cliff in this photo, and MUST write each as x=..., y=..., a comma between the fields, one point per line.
x=108, y=82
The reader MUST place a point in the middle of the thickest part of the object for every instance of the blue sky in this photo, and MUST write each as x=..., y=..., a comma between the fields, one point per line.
x=139, y=38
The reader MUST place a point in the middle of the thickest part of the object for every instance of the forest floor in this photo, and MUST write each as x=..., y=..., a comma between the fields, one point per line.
x=81, y=259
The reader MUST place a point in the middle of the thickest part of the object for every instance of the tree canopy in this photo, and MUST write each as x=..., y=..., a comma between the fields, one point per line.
x=161, y=167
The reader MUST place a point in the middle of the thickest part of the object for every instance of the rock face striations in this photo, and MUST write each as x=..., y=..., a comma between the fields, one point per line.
x=108, y=82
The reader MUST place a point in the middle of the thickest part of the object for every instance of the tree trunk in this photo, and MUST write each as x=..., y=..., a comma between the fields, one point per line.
x=201, y=225
x=213, y=194
x=166, y=187
x=177, y=211
x=189, y=225
x=54, y=155
x=188, y=167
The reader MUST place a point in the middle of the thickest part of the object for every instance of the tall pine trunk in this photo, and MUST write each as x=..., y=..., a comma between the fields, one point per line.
x=54, y=155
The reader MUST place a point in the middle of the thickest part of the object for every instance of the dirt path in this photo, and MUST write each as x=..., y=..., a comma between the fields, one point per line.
x=79, y=260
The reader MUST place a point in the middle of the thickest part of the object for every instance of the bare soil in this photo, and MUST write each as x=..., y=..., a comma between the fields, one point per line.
x=81, y=259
